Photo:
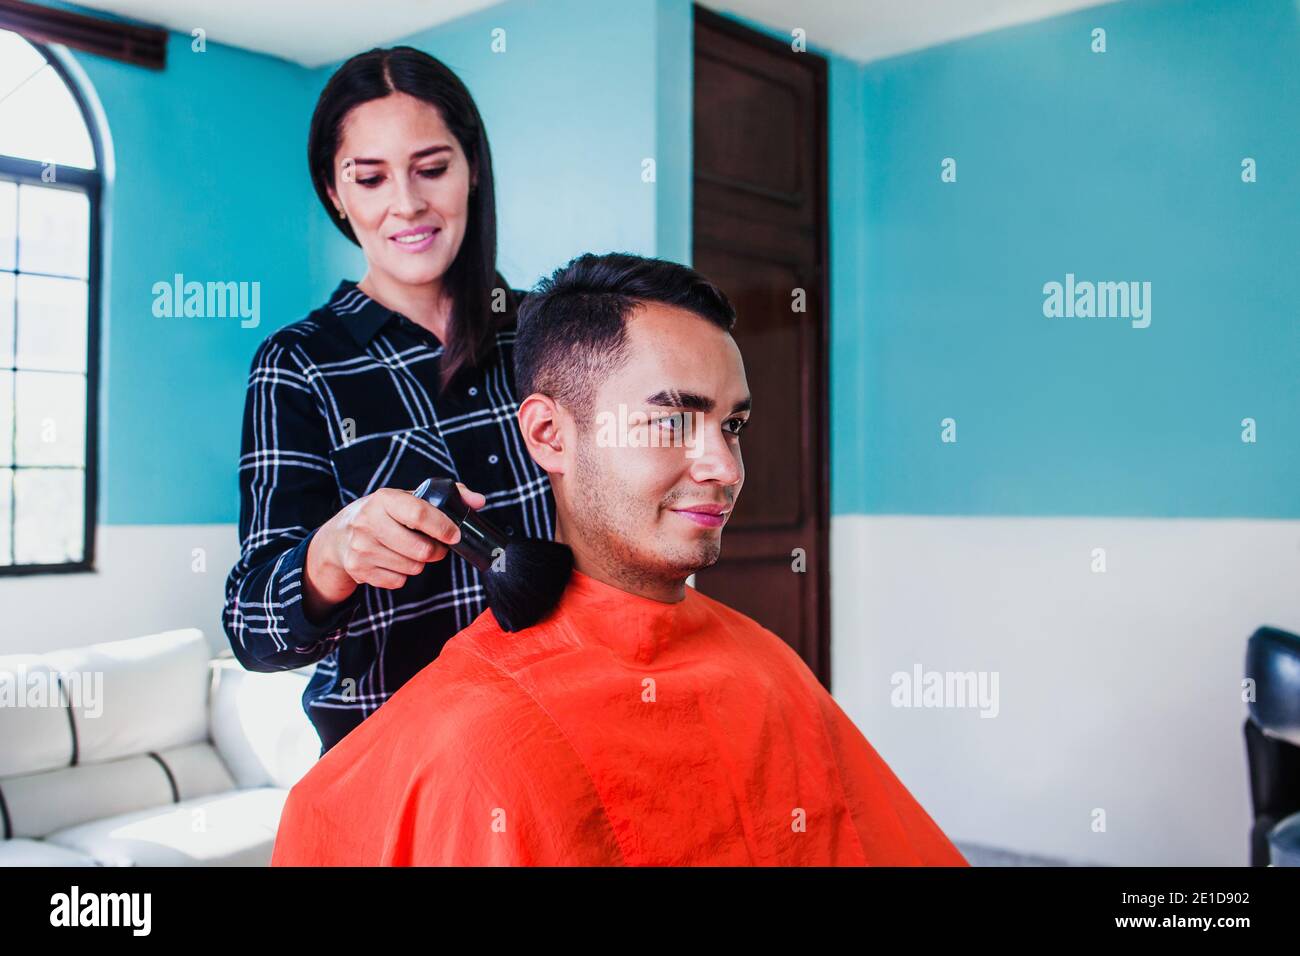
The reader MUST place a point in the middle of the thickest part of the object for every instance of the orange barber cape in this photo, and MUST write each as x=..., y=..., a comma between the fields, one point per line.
x=619, y=730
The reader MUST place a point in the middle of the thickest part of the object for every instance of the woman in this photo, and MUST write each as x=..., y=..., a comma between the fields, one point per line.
x=401, y=376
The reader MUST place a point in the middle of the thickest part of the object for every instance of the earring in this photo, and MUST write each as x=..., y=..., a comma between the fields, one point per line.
x=342, y=214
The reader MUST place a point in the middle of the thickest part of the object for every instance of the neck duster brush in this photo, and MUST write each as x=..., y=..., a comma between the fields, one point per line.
x=523, y=577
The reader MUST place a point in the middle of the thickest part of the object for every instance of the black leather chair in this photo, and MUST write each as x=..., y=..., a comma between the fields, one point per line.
x=1273, y=746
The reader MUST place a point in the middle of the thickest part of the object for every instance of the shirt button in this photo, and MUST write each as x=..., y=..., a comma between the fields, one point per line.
x=473, y=390
x=492, y=459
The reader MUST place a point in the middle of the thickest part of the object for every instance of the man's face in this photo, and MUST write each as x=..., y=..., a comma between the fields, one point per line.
x=663, y=441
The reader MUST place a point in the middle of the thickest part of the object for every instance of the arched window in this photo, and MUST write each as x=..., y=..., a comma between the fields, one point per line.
x=50, y=182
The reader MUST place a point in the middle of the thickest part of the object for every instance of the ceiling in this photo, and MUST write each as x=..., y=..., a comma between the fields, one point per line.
x=317, y=32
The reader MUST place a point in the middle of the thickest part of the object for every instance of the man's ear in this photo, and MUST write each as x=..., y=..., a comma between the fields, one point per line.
x=540, y=422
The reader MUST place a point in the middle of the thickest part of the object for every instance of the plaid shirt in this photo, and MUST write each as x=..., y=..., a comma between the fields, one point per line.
x=340, y=404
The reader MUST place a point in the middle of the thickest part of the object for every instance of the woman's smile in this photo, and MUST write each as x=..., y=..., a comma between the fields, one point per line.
x=417, y=239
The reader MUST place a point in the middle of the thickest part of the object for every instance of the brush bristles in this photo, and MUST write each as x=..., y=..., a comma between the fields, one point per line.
x=526, y=584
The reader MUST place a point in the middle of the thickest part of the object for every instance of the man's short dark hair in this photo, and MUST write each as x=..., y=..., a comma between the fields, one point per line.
x=572, y=327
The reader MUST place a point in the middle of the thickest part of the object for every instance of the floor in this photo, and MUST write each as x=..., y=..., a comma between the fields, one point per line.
x=991, y=856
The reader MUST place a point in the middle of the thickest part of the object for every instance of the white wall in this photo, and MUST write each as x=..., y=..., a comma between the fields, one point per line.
x=146, y=583
x=1118, y=690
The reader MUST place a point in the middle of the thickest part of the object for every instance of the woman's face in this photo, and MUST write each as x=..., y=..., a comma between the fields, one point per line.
x=403, y=180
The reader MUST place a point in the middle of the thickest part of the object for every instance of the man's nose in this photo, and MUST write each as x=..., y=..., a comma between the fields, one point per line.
x=716, y=459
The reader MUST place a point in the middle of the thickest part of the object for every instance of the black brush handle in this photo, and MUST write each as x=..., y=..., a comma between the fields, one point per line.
x=481, y=542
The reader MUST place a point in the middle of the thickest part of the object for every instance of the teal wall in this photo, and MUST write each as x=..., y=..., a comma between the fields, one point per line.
x=570, y=112
x=674, y=112
x=1116, y=166
x=1123, y=165
x=211, y=182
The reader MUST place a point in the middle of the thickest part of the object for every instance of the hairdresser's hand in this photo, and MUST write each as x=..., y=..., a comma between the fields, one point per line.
x=381, y=539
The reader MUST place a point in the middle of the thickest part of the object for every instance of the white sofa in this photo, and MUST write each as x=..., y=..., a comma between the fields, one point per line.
x=181, y=760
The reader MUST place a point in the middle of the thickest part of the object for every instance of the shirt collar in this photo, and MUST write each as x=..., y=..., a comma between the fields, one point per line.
x=362, y=315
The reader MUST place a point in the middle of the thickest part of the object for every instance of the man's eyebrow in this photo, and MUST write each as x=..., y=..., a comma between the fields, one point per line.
x=672, y=398
x=418, y=154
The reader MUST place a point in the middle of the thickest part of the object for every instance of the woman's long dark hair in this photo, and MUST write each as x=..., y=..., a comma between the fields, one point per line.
x=472, y=277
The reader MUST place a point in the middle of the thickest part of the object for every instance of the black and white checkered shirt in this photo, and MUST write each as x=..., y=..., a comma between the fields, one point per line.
x=340, y=404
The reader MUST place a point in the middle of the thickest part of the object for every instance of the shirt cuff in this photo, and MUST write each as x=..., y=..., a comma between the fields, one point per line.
x=290, y=592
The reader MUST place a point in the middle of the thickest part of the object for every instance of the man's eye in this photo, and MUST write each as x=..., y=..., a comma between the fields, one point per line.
x=675, y=420
x=740, y=424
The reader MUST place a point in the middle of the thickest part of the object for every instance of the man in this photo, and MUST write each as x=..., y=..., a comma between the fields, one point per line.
x=640, y=722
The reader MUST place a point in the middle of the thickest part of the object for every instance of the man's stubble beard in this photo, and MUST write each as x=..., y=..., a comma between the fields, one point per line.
x=603, y=533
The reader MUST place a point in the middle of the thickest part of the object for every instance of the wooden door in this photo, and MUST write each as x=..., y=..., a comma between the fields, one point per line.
x=760, y=232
